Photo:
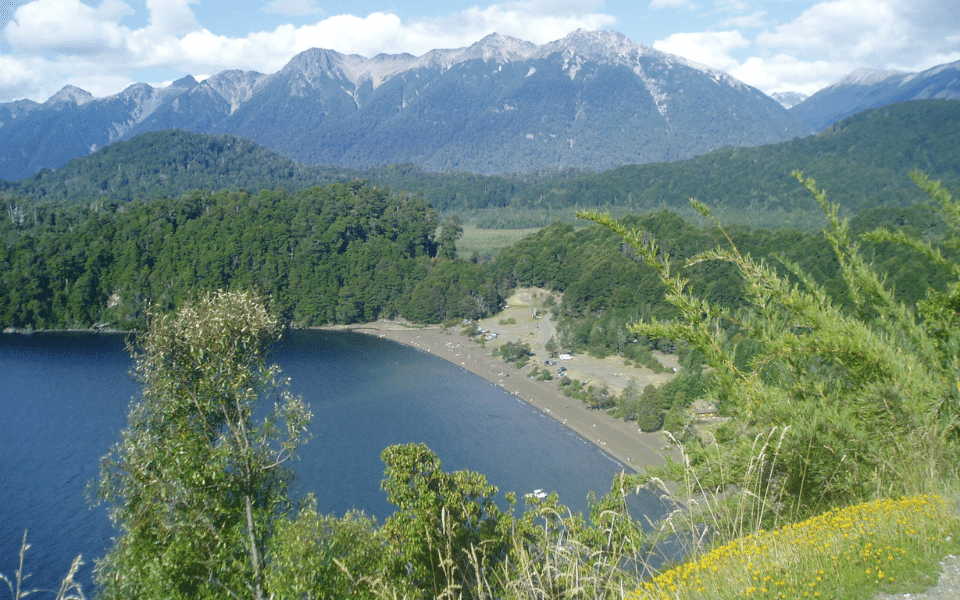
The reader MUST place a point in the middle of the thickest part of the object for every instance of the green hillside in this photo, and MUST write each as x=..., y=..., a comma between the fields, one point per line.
x=863, y=160
x=344, y=253
x=172, y=163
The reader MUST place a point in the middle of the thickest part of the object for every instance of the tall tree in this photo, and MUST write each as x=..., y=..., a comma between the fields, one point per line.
x=447, y=529
x=196, y=484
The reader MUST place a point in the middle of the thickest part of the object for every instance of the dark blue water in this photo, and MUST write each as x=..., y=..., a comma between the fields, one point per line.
x=64, y=399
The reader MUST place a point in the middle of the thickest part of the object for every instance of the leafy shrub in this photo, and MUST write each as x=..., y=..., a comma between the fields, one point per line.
x=867, y=389
x=514, y=352
x=649, y=410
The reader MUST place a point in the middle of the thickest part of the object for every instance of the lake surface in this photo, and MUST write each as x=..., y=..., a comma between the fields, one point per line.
x=64, y=399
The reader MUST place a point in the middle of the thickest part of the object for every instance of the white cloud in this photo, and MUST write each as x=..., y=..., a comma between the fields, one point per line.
x=755, y=19
x=20, y=74
x=656, y=4
x=874, y=33
x=68, y=34
x=67, y=26
x=785, y=73
x=827, y=41
x=711, y=48
x=293, y=8
x=857, y=28
x=171, y=17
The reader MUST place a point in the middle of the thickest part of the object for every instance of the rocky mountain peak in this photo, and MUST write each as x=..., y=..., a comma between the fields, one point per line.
x=498, y=47
x=325, y=107
x=69, y=95
x=314, y=63
x=235, y=86
x=185, y=82
x=872, y=88
x=599, y=46
x=865, y=76
x=788, y=99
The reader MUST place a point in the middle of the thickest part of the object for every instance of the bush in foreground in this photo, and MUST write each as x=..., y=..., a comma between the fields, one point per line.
x=868, y=391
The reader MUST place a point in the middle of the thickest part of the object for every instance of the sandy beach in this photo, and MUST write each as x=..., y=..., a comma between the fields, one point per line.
x=618, y=438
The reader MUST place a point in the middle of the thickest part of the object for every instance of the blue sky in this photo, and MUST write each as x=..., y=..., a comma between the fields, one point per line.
x=103, y=46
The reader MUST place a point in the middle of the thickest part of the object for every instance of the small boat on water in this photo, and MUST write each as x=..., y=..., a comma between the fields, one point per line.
x=538, y=494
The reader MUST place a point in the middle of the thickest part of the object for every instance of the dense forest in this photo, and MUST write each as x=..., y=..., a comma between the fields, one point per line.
x=172, y=163
x=357, y=252
x=864, y=160
x=605, y=285
x=340, y=254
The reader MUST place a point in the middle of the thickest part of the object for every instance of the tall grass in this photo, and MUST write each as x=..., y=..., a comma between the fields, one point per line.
x=487, y=243
x=70, y=589
x=719, y=548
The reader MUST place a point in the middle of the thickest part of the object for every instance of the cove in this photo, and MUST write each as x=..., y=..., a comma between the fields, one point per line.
x=64, y=399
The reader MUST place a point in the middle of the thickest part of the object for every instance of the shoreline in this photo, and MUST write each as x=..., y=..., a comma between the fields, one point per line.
x=619, y=439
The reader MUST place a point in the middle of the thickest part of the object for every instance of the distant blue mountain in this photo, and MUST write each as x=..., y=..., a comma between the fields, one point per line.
x=593, y=100
x=868, y=88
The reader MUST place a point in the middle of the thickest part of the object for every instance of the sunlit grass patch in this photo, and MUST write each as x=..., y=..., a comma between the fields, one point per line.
x=845, y=553
x=488, y=242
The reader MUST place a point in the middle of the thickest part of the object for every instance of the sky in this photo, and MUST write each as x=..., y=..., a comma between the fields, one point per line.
x=103, y=46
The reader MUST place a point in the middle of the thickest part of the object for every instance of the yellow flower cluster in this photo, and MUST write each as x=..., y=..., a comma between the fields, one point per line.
x=862, y=544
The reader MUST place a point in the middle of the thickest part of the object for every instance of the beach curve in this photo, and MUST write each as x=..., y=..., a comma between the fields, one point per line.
x=620, y=439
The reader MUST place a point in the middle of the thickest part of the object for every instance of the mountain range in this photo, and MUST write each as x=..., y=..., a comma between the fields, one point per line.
x=592, y=100
x=864, y=162
x=869, y=88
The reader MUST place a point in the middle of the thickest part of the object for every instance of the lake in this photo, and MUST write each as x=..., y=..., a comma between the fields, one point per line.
x=64, y=399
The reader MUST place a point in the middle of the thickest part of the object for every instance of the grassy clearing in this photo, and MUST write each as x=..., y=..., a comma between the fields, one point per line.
x=850, y=553
x=486, y=243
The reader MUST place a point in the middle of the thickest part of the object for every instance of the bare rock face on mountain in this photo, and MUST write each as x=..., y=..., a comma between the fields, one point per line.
x=870, y=88
x=593, y=100
x=789, y=99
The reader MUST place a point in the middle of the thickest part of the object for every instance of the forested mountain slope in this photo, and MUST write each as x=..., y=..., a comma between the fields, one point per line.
x=171, y=163
x=340, y=254
x=863, y=160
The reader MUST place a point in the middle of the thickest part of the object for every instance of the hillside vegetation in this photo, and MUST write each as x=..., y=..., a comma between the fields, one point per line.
x=863, y=160
x=833, y=473
x=355, y=252
x=172, y=163
x=341, y=254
